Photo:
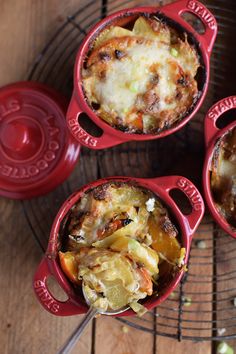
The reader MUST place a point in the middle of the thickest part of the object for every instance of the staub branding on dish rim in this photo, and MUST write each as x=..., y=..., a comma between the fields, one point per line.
x=221, y=107
x=45, y=297
x=80, y=133
x=191, y=192
x=203, y=13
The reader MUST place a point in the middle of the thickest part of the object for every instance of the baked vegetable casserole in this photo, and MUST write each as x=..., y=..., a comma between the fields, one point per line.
x=120, y=242
x=223, y=177
x=143, y=80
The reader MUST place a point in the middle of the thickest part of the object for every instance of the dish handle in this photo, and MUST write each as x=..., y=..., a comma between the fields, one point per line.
x=81, y=135
x=176, y=9
x=214, y=113
x=192, y=220
x=45, y=297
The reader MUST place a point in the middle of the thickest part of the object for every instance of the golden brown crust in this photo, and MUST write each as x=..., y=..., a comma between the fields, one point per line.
x=143, y=80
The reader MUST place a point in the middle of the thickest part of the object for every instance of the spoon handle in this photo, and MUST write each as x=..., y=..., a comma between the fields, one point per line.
x=68, y=345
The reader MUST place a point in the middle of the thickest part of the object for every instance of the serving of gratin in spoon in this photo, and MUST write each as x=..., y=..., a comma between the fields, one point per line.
x=92, y=312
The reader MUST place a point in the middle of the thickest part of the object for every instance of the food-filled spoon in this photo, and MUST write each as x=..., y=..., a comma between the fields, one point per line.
x=92, y=312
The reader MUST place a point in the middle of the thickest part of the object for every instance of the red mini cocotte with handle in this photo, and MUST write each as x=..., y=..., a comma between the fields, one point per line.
x=212, y=136
x=50, y=265
x=173, y=13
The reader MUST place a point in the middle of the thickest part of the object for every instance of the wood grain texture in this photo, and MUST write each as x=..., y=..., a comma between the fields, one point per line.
x=224, y=319
x=25, y=27
x=116, y=338
x=25, y=326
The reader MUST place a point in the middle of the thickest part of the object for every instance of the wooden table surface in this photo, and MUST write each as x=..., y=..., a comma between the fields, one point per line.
x=25, y=27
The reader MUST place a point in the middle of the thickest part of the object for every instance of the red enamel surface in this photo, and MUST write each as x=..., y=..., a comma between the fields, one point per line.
x=212, y=135
x=37, y=153
x=50, y=264
x=112, y=136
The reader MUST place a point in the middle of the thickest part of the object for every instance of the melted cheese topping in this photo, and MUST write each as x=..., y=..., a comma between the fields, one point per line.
x=127, y=79
x=142, y=82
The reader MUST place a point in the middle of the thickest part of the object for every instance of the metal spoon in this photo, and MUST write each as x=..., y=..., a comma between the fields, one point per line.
x=92, y=312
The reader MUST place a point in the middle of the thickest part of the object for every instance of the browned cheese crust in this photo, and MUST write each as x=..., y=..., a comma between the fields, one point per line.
x=141, y=81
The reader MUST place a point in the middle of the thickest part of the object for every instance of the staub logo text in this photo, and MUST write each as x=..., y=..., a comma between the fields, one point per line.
x=81, y=134
x=222, y=106
x=191, y=192
x=45, y=297
x=202, y=12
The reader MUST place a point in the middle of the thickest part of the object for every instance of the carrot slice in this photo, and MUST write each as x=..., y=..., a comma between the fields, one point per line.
x=145, y=282
x=112, y=226
x=69, y=266
x=138, y=122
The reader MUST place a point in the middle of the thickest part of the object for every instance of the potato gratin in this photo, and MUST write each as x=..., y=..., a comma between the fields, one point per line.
x=223, y=178
x=141, y=81
x=120, y=242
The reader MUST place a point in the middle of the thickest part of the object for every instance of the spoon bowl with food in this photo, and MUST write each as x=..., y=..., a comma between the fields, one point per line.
x=92, y=312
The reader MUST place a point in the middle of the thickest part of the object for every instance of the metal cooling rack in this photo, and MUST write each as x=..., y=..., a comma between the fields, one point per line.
x=202, y=307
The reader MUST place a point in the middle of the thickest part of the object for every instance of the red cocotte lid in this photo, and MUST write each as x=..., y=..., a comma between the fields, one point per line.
x=37, y=153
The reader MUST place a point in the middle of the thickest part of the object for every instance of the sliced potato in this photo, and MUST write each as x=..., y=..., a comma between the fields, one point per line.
x=138, y=308
x=110, y=274
x=151, y=29
x=139, y=253
x=117, y=295
x=109, y=33
x=121, y=269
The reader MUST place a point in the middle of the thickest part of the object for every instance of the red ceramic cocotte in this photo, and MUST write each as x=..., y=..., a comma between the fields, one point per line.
x=212, y=136
x=50, y=265
x=37, y=153
x=111, y=136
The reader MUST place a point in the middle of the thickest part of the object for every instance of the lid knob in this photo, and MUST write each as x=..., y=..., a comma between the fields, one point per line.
x=21, y=138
